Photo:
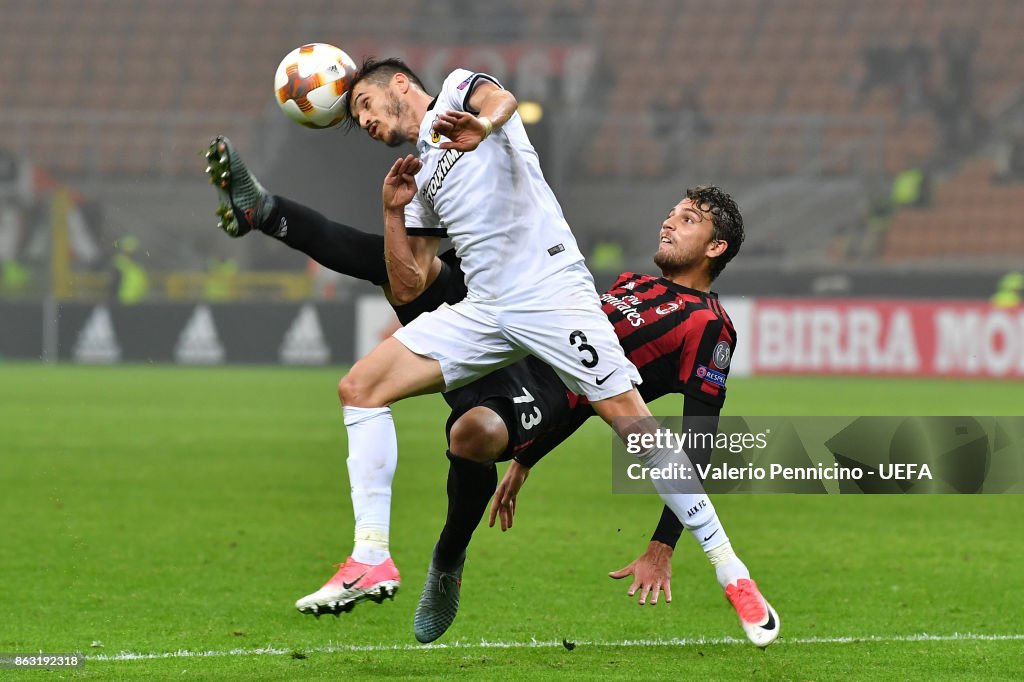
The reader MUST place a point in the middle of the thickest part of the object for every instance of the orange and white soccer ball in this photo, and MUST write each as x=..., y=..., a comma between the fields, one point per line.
x=312, y=83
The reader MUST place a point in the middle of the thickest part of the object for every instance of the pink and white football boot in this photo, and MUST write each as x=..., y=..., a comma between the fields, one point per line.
x=353, y=583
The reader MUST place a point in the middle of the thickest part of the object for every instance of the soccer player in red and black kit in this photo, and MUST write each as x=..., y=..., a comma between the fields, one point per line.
x=671, y=327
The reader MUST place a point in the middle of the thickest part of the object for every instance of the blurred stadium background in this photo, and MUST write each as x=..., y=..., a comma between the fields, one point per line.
x=875, y=147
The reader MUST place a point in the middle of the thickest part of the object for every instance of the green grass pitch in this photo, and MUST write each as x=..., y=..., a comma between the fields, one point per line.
x=154, y=510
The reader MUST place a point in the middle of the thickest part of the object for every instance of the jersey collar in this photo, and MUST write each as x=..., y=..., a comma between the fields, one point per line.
x=679, y=288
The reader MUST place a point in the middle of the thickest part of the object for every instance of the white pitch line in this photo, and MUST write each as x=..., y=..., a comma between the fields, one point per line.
x=535, y=644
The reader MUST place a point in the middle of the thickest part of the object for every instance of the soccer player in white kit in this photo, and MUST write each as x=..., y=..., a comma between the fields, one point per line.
x=477, y=181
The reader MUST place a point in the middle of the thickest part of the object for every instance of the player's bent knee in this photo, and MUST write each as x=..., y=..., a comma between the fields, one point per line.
x=628, y=404
x=479, y=435
x=626, y=413
x=625, y=403
x=355, y=392
x=346, y=390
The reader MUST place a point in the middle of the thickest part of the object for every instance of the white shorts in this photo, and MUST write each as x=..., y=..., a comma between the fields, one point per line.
x=565, y=327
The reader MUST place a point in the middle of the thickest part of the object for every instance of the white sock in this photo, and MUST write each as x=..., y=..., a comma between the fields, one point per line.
x=684, y=504
x=372, y=459
x=703, y=523
x=698, y=515
x=728, y=567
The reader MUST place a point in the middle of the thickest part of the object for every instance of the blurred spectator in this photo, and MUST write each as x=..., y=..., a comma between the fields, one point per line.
x=957, y=49
x=221, y=272
x=679, y=120
x=953, y=104
x=950, y=124
x=131, y=283
x=881, y=62
x=15, y=276
x=915, y=70
x=16, y=179
x=1013, y=161
x=912, y=188
x=906, y=70
x=9, y=168
x=1008, y=293
x=607, y=256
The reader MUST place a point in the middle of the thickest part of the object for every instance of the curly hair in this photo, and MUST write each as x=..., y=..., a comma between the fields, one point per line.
x=726, y=220
x=378, y=72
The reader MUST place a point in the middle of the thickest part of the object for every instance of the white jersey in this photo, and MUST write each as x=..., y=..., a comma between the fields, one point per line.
x=493, y=203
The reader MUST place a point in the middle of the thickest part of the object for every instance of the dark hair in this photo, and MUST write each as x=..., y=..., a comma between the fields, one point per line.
x=727, y=223
x=378, y=72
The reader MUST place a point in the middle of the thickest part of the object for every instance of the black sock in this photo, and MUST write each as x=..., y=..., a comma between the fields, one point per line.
x=470, y=486
x=336, y=246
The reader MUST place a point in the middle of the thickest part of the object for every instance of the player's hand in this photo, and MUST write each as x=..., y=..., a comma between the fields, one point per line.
x=652, y=573
x=504, y=503
x=464, y=130
x=400, y=182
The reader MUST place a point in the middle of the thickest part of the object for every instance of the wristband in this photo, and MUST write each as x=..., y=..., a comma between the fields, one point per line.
x=488, y=126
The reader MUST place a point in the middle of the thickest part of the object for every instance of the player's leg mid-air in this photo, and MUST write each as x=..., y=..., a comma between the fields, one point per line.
x=244, y=205
x=478, y=434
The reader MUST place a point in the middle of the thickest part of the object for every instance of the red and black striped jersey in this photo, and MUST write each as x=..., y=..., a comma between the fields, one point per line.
x=679, y=338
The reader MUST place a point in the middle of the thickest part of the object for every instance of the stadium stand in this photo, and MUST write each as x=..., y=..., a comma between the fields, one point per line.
x=801, y=58
x=971, y=217
x=790, y=87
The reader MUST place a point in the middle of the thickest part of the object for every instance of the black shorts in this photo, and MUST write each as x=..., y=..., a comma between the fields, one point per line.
x=532, y=401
